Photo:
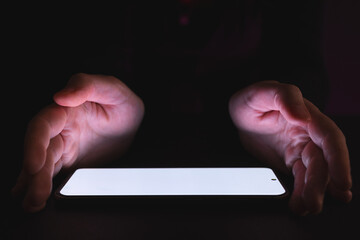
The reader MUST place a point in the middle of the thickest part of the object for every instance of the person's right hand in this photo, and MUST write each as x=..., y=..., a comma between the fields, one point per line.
x=94, y=119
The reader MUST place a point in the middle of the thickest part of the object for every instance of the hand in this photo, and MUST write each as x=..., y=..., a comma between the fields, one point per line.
x=288, y=132
x=95, y=119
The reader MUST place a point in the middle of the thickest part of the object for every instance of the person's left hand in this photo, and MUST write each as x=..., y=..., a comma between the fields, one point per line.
x=288, y=132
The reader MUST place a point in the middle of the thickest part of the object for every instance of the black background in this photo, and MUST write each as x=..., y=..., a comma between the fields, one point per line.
x=43, y=45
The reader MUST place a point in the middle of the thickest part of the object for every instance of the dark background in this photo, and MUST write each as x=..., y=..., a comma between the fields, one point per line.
x=43, y=45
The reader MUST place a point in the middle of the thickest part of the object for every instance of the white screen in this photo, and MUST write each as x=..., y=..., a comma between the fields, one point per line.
x=172, y=182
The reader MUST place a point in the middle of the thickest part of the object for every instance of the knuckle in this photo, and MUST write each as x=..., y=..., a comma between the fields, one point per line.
x=289, y=91
x=36, y=122
x=278, y=99
x=341, y=136
x=291, y=88
x=113, y=79
x=45, y=118
x=334, y=134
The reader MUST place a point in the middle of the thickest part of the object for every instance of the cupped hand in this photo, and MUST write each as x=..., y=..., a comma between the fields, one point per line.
x=94, y=120
x=288, y=132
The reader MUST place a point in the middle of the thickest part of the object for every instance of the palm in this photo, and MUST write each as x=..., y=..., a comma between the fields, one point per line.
x=86, y=126
x=284, y=139
x=103, y=123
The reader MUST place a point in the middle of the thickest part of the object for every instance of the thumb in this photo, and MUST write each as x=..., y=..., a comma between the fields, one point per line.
x=295, y=109
x=69, y=97
x=289, y=101
x=105, y=90
x=75, y=93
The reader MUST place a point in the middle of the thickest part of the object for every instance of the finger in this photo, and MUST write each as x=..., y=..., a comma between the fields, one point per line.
x=285, y=98
x=58, y=167
x=47, y=124
x=38, y=191
x=20, y=187
x=316, y=178
x=94, y=88
x=41, y=183
x=341, y=195
x=327, y=136
x=55, y=151
x=267, y=101
x=296, y=203
x=289, y=101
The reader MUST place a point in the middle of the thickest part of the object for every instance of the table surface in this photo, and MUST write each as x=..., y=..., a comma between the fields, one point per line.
x=249, y=220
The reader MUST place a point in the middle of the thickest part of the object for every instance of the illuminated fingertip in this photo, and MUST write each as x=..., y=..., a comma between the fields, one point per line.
x=34, y=202
x=344, y=185
x=348, y=197
x=28, y=207
x=299, y=209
